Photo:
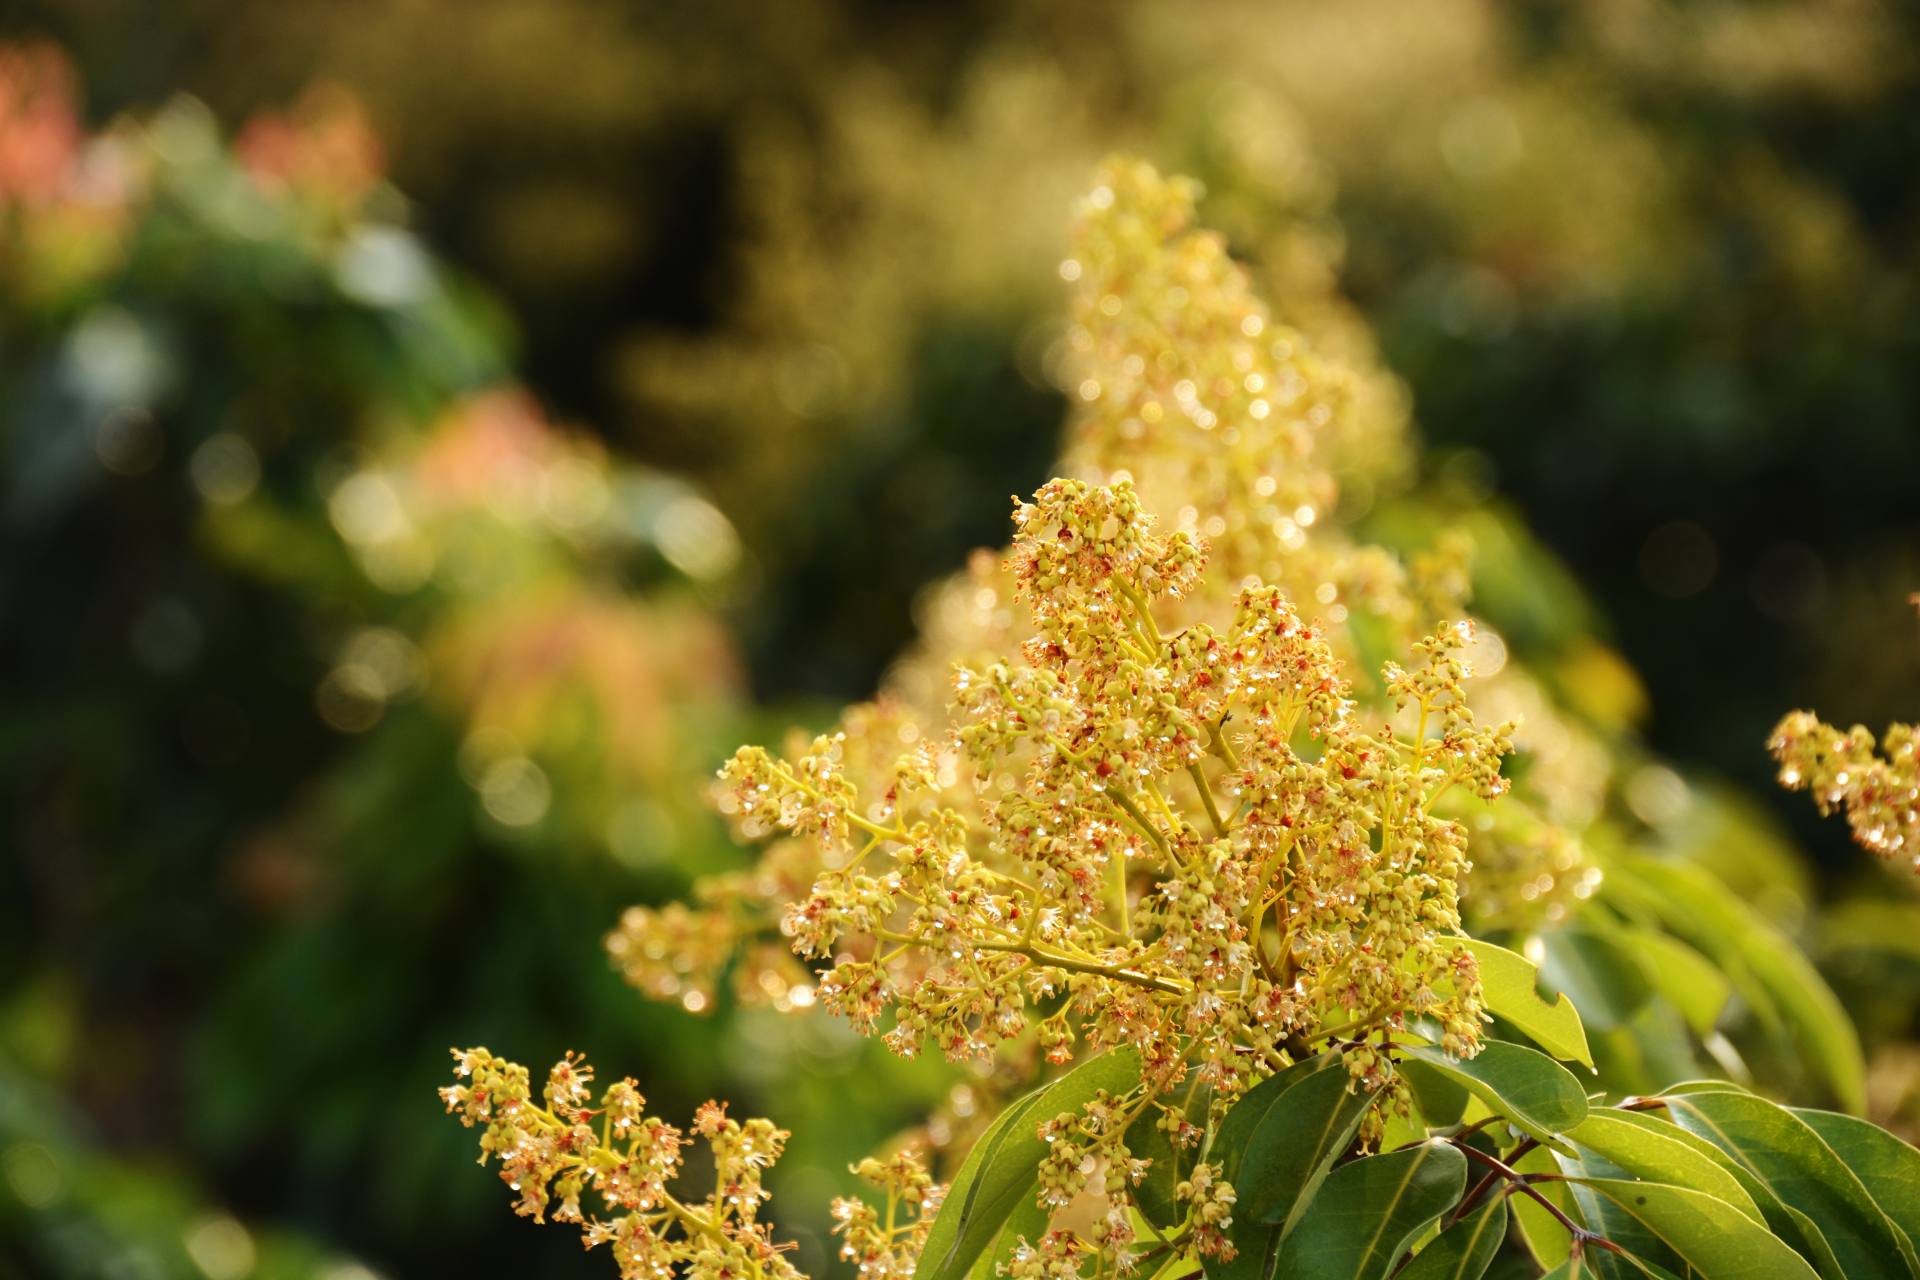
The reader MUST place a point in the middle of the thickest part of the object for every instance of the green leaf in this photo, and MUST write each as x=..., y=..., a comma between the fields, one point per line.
x=1369, y=1212
x=1716, y=1240
x=1888, y=926
x=1295, y=1144
x=1005, y=1162
x=1605, y=981
x=1464, y=1250
x=1536, y=1094
x=1702, y=1086
x=1511, y=987
x=1764, y=965
x=1889, y=1167
x=1254, y=1241
x=1638, y=1145
x=1786, y=1222
x=1782, y=1151
x=1641, y=1249
x=1545, y=1238
x=1029, y=1221
x=1441, y=1101
x=1688, y=980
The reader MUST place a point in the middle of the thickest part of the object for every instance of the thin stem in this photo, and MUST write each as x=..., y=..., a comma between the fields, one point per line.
x=1150, y=632
x=1206, y=799
x=1221, y=746
x=1523, y=1183
x=1147, y=829
x=1347, y=1028
x=853, y=819
x=1053, y=960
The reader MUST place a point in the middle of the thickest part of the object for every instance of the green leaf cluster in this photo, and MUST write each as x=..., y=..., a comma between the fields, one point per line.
x=1498, y=1165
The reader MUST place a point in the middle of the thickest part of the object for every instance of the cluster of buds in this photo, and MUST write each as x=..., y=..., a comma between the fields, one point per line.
x=1185, y=380
x=1876, y=784
x=885, y=1243
x=1241, y=427
x=553, y=1154
x=1211, y=1201
x=1058, y=1256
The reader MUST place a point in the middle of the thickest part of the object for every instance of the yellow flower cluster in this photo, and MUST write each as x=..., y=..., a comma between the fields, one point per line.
x=551, y=1155
x=885, y=1244
x=1876, y=784
x=1116, y=801
x=1183, y=842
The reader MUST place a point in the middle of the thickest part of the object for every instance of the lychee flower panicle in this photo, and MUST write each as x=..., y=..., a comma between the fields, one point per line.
x=553, y=1155
x=1876, y=784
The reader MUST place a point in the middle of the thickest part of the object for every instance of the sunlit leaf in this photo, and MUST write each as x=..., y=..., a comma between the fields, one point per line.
x=1659, y=1151
x=1546, y=1239
x=1538, y=1095
x=1888, y=1167
x=1716, y=1240
x=1509, y=983
x=1803, y=1173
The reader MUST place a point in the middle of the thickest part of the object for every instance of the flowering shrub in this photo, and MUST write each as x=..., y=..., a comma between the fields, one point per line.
x=1165, y=826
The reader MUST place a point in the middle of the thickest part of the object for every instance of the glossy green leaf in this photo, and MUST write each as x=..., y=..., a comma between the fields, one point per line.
x=1255, y=1242
x=1370, y=1211
x=1703, y=1086
x=1606, y=982
x=1442, y=1102
x=1510, y=984
x=1295, y=1144
x=1763, y=964
x=1785, y=1221
x=1596, y=1264
x=1805, y=1174
x=1532, y=1091
x=1637, y=1144
x=1005, y=1161
x=1464, y=1250
x=1641, y=1249
x=1028, y=1221
x=1888, y=1167
x=1716, y=1240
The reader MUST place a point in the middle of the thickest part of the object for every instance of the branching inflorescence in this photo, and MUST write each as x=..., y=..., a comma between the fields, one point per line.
x=1149, y=811
x=1184, y=843
x=1877, y=785
x=1147, y=799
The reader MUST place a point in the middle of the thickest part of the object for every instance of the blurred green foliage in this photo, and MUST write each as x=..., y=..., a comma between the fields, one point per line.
x=269, y=756
x=1653, y=263
x=348, y=698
